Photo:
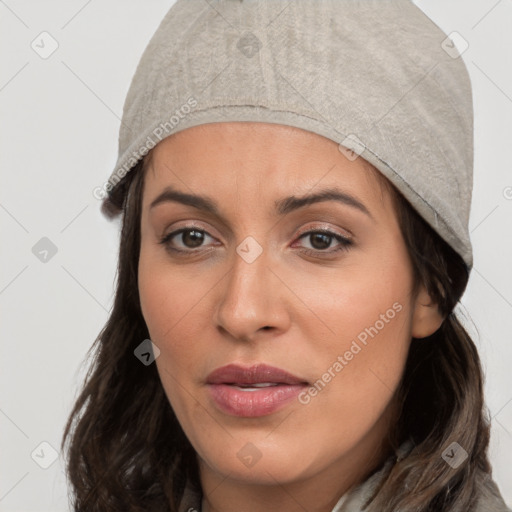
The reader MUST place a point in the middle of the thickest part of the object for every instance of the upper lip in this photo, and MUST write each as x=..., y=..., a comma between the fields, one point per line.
x=259, y=373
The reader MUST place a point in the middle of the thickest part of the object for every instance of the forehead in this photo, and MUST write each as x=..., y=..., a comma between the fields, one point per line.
x=266, y=159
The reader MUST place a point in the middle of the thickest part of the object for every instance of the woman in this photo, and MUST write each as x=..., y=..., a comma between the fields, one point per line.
x=295, y=182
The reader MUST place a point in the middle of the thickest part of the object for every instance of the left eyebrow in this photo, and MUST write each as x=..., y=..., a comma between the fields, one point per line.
x=289, y=204
x=283, y=206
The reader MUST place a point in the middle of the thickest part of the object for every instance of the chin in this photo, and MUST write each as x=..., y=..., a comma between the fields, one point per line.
x=261, y=466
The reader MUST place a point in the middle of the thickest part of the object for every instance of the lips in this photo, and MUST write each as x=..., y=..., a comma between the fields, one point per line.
x=251, y=392
x=258, y=374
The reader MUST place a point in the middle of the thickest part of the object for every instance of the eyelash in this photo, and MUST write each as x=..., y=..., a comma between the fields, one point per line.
x=345, y=243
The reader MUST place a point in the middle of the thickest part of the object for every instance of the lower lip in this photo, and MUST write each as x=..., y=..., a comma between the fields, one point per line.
x=249, y=404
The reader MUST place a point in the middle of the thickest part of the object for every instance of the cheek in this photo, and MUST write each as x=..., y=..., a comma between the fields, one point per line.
x=157, y=302
x=173, y=304
x=368, y=313
x=166, y=304
x=168, y=295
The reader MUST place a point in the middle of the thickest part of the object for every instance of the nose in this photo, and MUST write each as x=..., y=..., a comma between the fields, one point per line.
x=252, y=299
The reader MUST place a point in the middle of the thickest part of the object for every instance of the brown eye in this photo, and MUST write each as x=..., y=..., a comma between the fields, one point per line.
x=191, y=238
x=320, y=240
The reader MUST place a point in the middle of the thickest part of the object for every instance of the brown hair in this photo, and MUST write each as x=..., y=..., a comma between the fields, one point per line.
x=127, y=451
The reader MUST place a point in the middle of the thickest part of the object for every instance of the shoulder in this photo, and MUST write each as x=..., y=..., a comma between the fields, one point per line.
x=489, y=498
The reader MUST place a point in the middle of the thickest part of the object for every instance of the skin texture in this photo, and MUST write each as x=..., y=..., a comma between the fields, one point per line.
x=297, y=311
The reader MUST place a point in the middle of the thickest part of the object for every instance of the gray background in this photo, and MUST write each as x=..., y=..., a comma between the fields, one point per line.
x=60, y=119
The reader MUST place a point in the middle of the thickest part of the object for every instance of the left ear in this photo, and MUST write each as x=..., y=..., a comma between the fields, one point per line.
x=426, y=318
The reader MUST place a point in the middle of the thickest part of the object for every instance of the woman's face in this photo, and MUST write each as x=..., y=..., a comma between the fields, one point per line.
x=260, y=275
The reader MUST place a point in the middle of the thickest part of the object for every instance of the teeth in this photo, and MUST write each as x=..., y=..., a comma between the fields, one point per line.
x=255, y=386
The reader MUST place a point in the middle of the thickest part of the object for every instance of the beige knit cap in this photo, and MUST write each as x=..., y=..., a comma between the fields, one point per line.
x=376, y=76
